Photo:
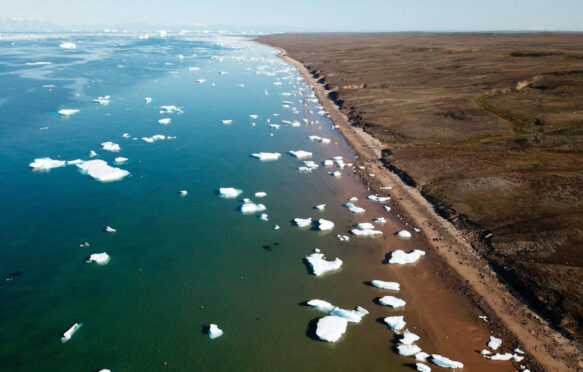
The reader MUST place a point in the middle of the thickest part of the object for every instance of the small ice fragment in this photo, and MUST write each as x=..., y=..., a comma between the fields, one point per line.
x=409, y=338
x=200, y=81
x=214, y=331
x=120, y=160
x=101, y=171
x=321, y=305
x=102, y=100
x=328, y=163
x=320, y=265
x=276, y=227
x=391, y=301
x=110, y=146
x=505, y=356
x=229, y=121
x=380, y=199
x=518, y=351
x=354, y=198
x=250, y=207
x=422, y=356
x=386, y=188
x=46, y=164
x=366, y=232
x=483, y=317
x=403, y=234
x=183, y=192
x=194, y=68
x=68, y=112
x=325, y=225
x=70, y=332
x=395, y=323
x=394, y=286
x=365, y=226
x=98, y=258
x=387, y=208
x=109, y=229
x=408, y=350
x=485, y=352
x=445, y=362
x=343, y=238
x=260, y=194
x=263, y=217
x=154, y=138
x=422, y=367
x=330, y=328
x=336, y=174
x=170, y=109
x=380, y=220
x=353, y=316
x=494, y=343
x=148, y=99
x=253, y=116
x=416, y=229
x=68, y=45
x=165, y=121
x=400, y=257
x=76, y=161
x=353, y=208
x=229, y=192
x=300, y=154
x=303, y=222
x=274, y=126
x=264, y=156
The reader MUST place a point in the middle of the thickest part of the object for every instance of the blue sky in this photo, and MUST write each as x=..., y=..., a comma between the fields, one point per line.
x=315, y=15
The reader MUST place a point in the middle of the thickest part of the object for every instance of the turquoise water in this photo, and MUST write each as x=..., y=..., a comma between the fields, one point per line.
x=177, y=263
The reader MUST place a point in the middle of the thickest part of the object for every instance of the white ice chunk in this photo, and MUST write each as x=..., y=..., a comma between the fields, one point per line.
x=260, y=194
x=165, y=121
x=214, y=331
x=120, y=160
x=110, y=146
x=391, y=301
x=445, y=362
x=102, y=100
x=328, y=163
x=276, y=227
x=400, y=257
x=109, y=229
x=409, y=338
x=101, y=171
x=494, y=343
x=485, y=352
x=518, y=351
x=303, y=222
x=422, y=367
x=354, y=198
x=387, y=208
x=193, y=68
x=300, y=154
x=408, y=350
x=46, y=164
x=70, y=332
x=325, y=225
x=320, y=265
x=330, y=328
x=154, y=138
x=228, y=121
x=250, y=207
x=200, y=81
x=98, y=258
x=320, y=207
x=365, y=226
x=170, y=109
x=336, y=174
x=396, y=323
x=343, y=238
x=380, y=220
x=68, y=112
x=403, y=234
x=229, y=192
x=380, y=199
x=263, y=217
x=183, y=192
x=253, y=116
x=274, y=126
x=321, y=305
x=148, y=99
x=422, y=356
x=353, y=208
x=68, y=45
x=353, y=316
x=264, y=156
x=394, y=286
x=366, y=232
x=505, y=356
x=76, y=161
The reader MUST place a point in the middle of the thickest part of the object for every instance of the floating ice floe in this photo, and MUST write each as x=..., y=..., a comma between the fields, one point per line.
x=276, y=227
x=365, y=226
x=274, y=126
x=393, y=286
x=354, y=198
x=183, y=192
x=148, y=99
x=325, y=225
x=395, y=323
x=505, y=356
x=109, y=229
x=408, y=350
x=300, y=154
x=46, y=164
x=263, y=217
x=328, y=163
x=70, y=332
x=101, y=171
x=485, y=352
x=102, y=100
x=303, y=222
x=380, y=199
x=320, y=265
x=494, y=343
x=165, y=121
x=214, y=331
x=250, y=207
x=76, y=161
x=263, y=156
x=353, y=208
x=336, y=174
x=391, y=301
x=366, y=232
x=422, y=356
x=353, y=316
x=68, y=45
x=400, y=257
x=320, y=207
x=110, y=146
x=154, y=138
x=170, y=109
x=229, y=192
x=253, y=116
x=260, y=194
x=409, y=338
x=387, y=208
x=120, y=160
x=422, y=367
x=380, y=220
x=330, y=328
x=445, y=362
x=68, y=112
x=193, y=68
x=200, y=81
x=98, y=258
x=229, y=121
x=343, y=238
x=403, y=234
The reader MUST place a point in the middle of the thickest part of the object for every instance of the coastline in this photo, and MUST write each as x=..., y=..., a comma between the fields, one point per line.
x=466, y=269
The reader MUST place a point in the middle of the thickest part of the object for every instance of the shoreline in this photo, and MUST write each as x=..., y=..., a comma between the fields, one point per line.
x=470, y=273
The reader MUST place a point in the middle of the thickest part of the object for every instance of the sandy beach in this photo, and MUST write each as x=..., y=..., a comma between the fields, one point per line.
x=461, y=266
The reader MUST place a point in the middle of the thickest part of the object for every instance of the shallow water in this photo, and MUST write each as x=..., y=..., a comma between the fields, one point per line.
x=180, y=263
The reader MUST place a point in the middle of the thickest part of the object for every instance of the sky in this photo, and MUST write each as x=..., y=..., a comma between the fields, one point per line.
x=304, y=15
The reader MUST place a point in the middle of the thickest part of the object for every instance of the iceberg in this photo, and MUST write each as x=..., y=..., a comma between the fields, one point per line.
x=505, y=356
x=120, y=160
x=445, y=362
x=387, y=208
x=422, y=356
x=46, y=164
x=68, y=112
x=380, y=199
x=409, y=338
x=300, y=154
x=303, y=222
x=194, y=68
x=400, y=257
x=263, y=217
x=380, y=220
x=154, y=138
x=98, y=258
x=276, y=227
x=101, y=171
x=395, y=323
x=165, y=121
x=422, y=367
x=264, y=156
x=230, y=121
x=250, y=207
x=260, y=194
x=109, y=229
x=321, y=305
x=354, y=198
x=365, y=226
x=274, y=126
x=391, y=301
x=353, y=208
x=70, y=332
x=353, y=316
x=110, y=146
x=367, y=232
x=330, y=328
x=214, y=331
x=394, y=286
x=253, y=116
x=170, y=109
x=76, y=161
x=320, y=265
x=325, y=225
x=229, y=192
x=408, y=350
x=494, y=343
x=148, y=99
x=328, y=163
x=320, y=207
x=102, y=100
x=343, y=238
x=68, y=45
x=336, y=174
x=403, y=234
x=183, y=192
